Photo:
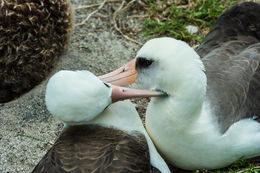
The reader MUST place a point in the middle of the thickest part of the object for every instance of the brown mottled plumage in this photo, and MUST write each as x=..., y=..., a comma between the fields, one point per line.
x=93, y=148
x=231, y=56
x=33, y=34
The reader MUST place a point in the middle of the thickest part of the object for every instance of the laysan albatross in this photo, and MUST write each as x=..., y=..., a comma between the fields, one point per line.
x=94, y=139
x=210, y=117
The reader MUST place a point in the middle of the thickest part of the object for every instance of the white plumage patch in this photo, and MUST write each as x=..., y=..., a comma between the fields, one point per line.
x=76, y=96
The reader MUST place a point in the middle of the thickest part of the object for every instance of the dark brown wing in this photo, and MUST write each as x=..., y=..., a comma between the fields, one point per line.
x=92, y=148
x=231, y=55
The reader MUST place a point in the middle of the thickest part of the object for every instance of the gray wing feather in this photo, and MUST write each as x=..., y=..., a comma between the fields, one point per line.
x=231, y=55
x=95, y=149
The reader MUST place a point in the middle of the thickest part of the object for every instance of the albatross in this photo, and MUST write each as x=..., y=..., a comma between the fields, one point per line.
x=210, y=117
x=97, y=137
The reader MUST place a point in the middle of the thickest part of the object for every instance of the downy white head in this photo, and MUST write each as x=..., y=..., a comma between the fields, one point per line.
x=76, y=96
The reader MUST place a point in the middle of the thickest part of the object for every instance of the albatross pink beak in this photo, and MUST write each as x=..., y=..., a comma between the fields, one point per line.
x=123, y=76
x=123, y=93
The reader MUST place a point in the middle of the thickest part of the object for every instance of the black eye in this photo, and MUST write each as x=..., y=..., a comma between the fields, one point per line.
x=143, y=63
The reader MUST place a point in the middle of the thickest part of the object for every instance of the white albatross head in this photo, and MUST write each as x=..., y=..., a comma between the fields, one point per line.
x=76, y=96
x=79, y=96
x=163, y=64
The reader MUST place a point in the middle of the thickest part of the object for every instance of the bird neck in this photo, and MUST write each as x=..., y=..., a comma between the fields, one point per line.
x=183, y=106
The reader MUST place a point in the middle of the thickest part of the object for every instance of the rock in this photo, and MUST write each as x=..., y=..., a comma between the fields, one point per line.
x=192, y=29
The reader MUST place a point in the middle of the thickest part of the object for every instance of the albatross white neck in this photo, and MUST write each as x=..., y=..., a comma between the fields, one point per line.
x=183, y=105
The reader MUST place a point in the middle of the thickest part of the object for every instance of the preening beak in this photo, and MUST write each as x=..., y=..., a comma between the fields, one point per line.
x=126, y=75
x=123, y=76
x=122, y=93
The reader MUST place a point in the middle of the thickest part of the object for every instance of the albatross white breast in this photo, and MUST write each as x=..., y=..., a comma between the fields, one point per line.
x=210, y=117
x=96, y=137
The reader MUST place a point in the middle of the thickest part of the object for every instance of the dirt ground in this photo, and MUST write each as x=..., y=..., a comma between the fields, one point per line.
x=27, y=129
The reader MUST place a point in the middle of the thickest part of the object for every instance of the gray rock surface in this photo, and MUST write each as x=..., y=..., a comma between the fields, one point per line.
x=27, y=129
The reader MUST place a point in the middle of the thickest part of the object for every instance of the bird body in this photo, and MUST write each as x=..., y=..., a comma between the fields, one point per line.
x=210, y=116
x=88, y=148
x=109, y=139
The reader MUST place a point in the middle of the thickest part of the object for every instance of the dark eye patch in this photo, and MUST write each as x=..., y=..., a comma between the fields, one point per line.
x=106, y=85
x=143, y=63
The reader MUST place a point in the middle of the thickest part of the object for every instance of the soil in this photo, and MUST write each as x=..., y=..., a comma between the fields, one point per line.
x=27, y=130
